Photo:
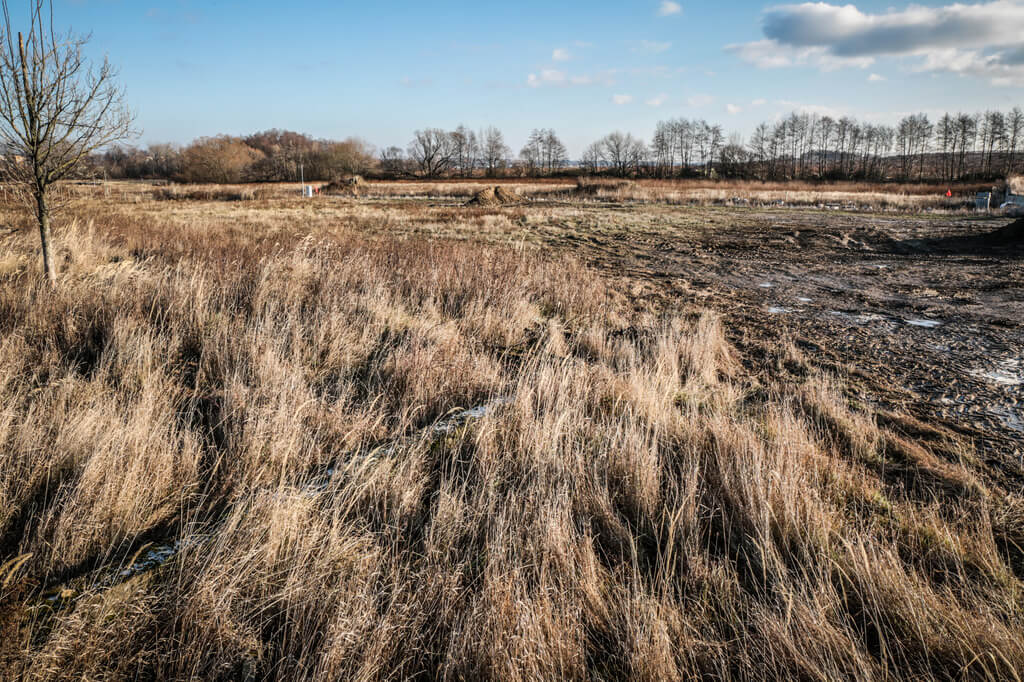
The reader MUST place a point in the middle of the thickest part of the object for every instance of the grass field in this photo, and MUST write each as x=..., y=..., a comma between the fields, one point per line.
x=874, y=196
x=391, y=436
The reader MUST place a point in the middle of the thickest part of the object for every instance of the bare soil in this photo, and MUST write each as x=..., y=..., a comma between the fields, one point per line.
x=924, y=313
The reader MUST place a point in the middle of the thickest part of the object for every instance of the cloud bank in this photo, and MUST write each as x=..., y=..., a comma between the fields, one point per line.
x=984, y=40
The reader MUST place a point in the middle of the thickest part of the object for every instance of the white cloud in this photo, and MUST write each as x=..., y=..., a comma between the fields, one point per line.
x=770, y=54
x=700, y=100
x=547, y=77
x=1002, y=69
x=733, y=108
x=657, y=100
x=982, y=40
x=848, y=32
x=653, y=47
x=669, y=8
x=759, y=102
x=560, y=55
x=875, y=78
x=559, y=78
x=622, y=99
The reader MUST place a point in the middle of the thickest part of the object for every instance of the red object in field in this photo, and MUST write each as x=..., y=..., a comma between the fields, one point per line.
x=949, y=193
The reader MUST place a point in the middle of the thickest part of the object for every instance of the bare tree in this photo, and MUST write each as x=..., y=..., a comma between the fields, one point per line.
x=495, y=152
x=465, y=150
x=433, y=151
x=532, y=153
x=1014, y=134
x=56, y=109
x=759, y=148
x=392, y=160
x=623, y=153
x=593, y=157
x=555, y=154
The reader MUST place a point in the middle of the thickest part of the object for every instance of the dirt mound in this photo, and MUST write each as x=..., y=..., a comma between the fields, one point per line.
x=591, y=186
x=506, y=196
x=494, y=196
x=350, y=185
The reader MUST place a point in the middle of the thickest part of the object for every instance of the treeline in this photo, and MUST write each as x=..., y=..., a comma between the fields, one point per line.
x=800, y=146
x=955, y=147
x=269, y=156
x=805, y=146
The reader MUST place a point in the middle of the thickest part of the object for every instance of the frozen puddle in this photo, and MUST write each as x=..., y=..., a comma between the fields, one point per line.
x=323, y=481
x=805, y=300
x=861, y=318
x=766, y=285
x=927, y=324
x=152, y=557
x=778, y=310
x=478, y=412
x=1009, y=416
x=1008, y=373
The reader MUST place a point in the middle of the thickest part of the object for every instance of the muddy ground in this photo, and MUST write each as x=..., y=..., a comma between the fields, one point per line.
x=923, y=315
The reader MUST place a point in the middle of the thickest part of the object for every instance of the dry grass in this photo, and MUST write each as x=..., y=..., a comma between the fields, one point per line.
x=860, y=196
x=263, y=395
x=913, y=198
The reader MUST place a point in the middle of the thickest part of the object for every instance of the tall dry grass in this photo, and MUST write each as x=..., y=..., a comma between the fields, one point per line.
x=632, y=504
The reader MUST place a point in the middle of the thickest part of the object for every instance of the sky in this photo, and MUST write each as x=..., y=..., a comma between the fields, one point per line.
x=381, y=70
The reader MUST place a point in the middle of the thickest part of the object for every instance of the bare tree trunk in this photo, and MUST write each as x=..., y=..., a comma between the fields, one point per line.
x=43, y=216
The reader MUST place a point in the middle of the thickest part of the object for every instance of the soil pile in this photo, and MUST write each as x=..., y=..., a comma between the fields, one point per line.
x=350, y=185
x=493, y=196
x=505, y=196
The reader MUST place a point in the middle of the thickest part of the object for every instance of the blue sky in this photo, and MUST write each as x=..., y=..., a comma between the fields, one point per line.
x=379, y=70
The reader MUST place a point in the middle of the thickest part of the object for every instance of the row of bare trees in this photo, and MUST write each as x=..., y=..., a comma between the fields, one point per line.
x=798, y=146
x=276, y=155
x=808, y=146
x=434, y=152
x=681, y=144
x=957, y=146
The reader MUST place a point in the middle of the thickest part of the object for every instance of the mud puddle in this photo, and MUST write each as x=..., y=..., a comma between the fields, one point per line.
x=1006, y=373
x=926, y=324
